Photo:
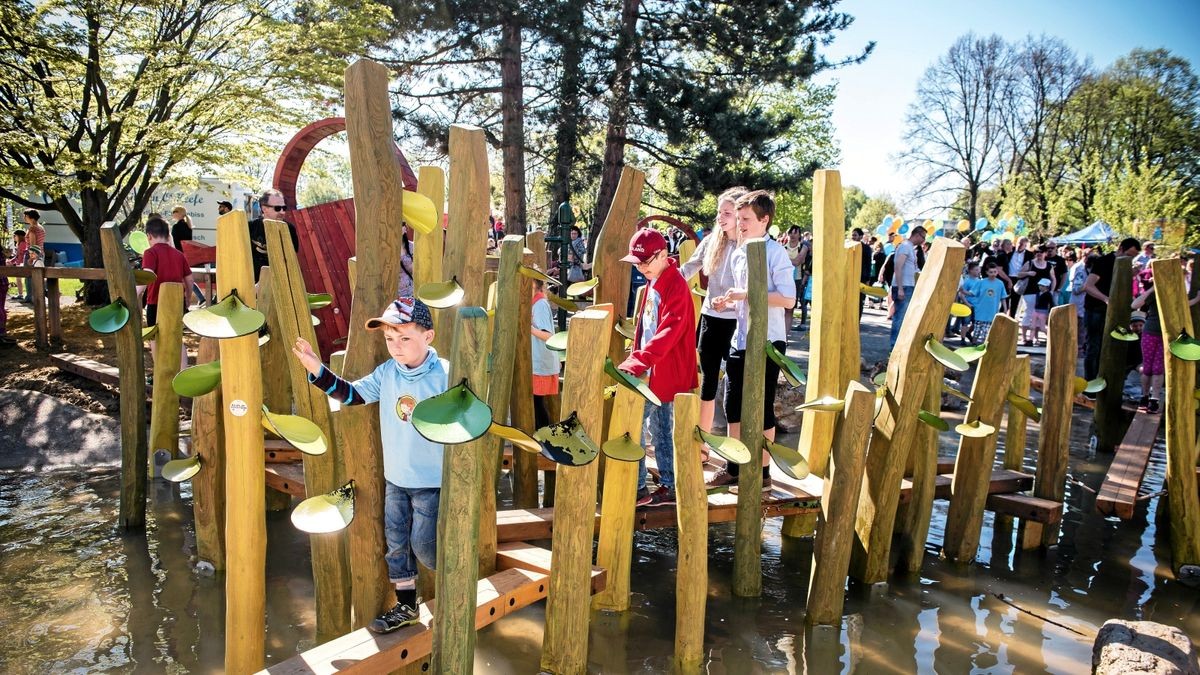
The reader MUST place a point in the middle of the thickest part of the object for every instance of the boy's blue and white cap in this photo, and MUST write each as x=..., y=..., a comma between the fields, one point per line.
x=402, y=311
x=1043, y=282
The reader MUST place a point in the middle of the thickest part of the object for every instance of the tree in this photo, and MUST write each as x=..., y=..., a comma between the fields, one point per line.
x=101, y=101
x=1144, y=192
x=954, y=136
x=872, y=213
x=853, y=199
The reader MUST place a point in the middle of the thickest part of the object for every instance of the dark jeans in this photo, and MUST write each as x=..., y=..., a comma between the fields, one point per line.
x=410, y=518
x=1093, y=321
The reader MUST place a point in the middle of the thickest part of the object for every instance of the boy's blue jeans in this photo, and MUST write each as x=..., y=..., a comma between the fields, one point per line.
x=659, y=430
x=410, y=526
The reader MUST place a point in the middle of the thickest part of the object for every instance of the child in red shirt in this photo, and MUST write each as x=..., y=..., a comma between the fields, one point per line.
x=169, y=266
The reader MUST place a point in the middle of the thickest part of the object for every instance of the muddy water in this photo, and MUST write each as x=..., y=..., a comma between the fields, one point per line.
x=80, y=597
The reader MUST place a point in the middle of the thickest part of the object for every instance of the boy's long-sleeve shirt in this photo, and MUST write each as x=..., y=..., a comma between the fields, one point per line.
x=665, y=341
x=409, y=459
x=779, y=280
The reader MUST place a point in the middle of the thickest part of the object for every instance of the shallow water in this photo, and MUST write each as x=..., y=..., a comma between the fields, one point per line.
x=81, y=597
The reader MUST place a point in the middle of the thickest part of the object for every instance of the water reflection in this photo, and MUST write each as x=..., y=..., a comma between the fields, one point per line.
x=82, y=597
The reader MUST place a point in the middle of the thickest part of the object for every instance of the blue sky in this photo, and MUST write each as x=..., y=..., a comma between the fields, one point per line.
x=909, y=36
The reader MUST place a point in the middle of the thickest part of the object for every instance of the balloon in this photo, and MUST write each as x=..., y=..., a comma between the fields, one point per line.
x=987, y=236
x=1020, y=222
x=1002, y=225
x=895, y=226
x=964, y=225
x=897, y=239
x=928, y=224
x=882, y=229
x=888, y=248
x=981, y=224
x=887, y=220
x=903, y=229
x=1020, y=229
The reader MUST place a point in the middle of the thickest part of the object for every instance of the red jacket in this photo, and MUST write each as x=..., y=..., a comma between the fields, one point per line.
x=669, y=354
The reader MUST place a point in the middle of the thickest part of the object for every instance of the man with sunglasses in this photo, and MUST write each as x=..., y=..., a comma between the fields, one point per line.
x=273, y=207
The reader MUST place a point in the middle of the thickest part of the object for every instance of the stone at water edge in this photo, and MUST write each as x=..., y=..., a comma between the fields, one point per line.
x=1133, y=647
x=1189, y=575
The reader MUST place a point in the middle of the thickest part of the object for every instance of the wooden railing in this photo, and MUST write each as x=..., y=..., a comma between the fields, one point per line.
x=47, y=299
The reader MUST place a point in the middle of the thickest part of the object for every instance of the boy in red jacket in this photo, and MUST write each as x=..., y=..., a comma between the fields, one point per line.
x=665, y=345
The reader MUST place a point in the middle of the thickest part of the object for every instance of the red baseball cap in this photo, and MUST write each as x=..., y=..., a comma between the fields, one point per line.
x=644, y=244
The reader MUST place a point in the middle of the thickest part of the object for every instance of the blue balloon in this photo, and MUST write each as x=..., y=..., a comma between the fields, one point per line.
x=1002, y=225
x=1020, y=222
x=888, y=248
x=981, y=224
x=1020, y=229
x=903, y=229
x=882, y=229
x=887, y=221
x=988, y=236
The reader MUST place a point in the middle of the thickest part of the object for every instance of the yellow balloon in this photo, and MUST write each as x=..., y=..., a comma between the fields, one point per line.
x=928, y=224
x=419, y=212
x=895, y=226
x=964, y=225
x=897, y=239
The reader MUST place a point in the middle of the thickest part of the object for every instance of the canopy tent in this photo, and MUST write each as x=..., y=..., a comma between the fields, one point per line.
x=1098, y=232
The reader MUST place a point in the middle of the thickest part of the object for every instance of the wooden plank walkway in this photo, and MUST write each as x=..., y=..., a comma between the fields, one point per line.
x=522, y=580
x=1119, y=491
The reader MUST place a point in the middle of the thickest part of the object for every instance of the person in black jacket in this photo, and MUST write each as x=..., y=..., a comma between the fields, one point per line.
x=864, y=276
x=273, y=207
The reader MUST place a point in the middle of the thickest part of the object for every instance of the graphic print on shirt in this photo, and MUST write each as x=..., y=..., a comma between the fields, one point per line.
x=404, y=407
x=650, y=316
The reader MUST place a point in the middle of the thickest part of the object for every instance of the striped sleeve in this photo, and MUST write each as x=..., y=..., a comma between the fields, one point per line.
x=335, y=387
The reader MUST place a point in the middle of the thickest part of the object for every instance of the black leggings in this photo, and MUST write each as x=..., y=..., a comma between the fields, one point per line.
x=713, y=343
x=735, y=367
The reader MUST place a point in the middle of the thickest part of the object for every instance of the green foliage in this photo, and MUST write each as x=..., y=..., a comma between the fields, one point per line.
x=104, y=100
x=1135, y=194
x=872, y=213
x=853, y=199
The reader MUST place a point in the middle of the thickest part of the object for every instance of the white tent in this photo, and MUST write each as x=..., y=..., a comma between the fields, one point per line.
x=1098, y=232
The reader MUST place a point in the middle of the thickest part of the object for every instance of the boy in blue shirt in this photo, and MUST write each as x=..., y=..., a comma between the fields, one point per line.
x=412, y=465
x=989, y=298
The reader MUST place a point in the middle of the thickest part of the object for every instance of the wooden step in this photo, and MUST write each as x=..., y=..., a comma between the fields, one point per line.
x=87, y=368
x=287, y=478
x=1119, y=491
x=543, y=463
x=364, y=652
x=1027, y=507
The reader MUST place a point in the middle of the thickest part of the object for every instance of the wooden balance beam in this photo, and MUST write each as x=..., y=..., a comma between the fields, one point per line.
x=522, y=580
x=1118, y=493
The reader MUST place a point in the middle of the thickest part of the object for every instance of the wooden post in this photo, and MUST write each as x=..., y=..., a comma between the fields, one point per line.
x=1109, y=416
x=132, y=365
x=524, y=471
x=691, y=575
x=909, y=370
x=54, y=311
x=37, y=292
x=565, y=643
x=245, y=483
x=1194, y=282
x=1054, y=437
x=913, y=520
x=618, y=503
x=273, y=359
x=747, y=556
x=470, y=205
x=378, y=205
x=505, y=334
x=428, y=250
x=829, y=293
x=843, y=483
x=289, y=319
x=459, y=513
x=973, y=465
x=164, y=410
x=613, y=243
x=1014, y=436
x=208, y=486
x=850, y=341
x=1183, y=504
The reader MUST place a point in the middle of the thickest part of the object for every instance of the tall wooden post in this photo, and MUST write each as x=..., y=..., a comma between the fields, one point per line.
x=37, y=292
x=1014, y=437
x=54, y=311
x=208, y=486
x=524, y=471
x=850, y=340
x=1109, y=417
x=843, y=483
x=289, y=320
x=973, y=465
x=909, y=370
x=912, y=522
x=428, y=250
x=504, y=343
x=829, y=283
x=245, y=521
x=1054, y=437
x=458, y=514
x=132, y=366
x=469, y=207
x=618, y=503
x=274, y=357
x=164, y=410
x=747, y=556
x=613, y=243
x=1183, y=504
x=378, y=205
x=564, y=646
x=691, y=575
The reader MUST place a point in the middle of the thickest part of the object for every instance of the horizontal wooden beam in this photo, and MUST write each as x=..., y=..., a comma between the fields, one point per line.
x=1026, y=507
x=288, y=478
x=1119, y=492
x=83, y=273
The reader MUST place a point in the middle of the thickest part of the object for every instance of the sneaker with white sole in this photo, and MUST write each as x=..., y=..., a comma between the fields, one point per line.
x=397, y=617
x=720, y=479
x=663, y=496
x=643, y=496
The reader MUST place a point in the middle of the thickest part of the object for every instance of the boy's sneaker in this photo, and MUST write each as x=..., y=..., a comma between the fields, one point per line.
x=721, y=479
x=1144, y=404
x=1152, y=406
x=397, y=617
x=663, y=496
x=643, y=496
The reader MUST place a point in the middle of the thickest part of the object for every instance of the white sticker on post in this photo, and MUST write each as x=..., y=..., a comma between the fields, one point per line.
x=238, y=407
